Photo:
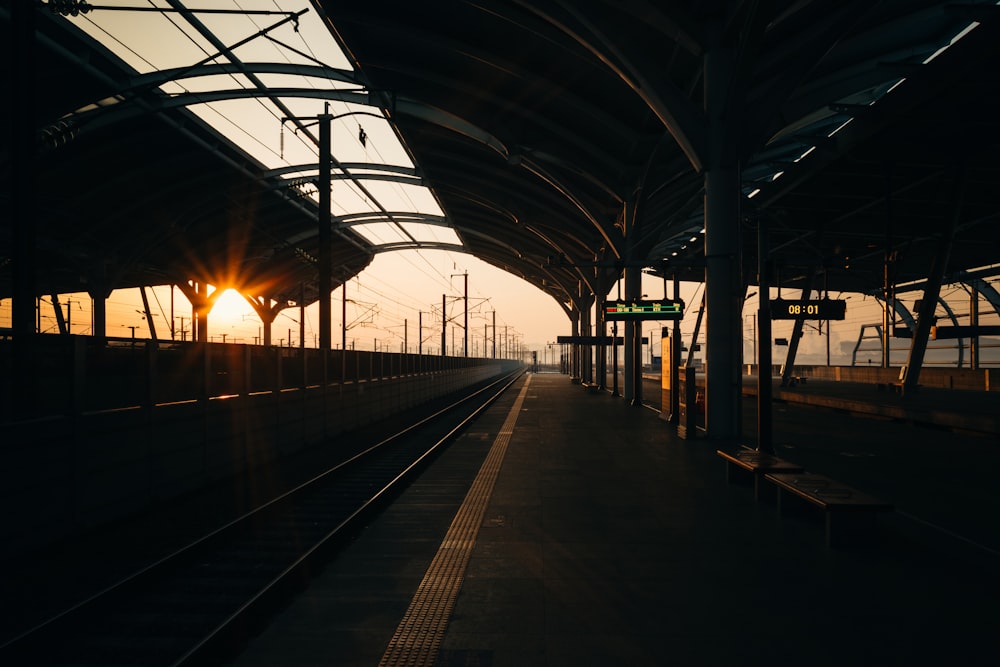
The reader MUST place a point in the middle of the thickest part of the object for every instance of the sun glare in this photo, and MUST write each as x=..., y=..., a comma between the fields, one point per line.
x=230, y=310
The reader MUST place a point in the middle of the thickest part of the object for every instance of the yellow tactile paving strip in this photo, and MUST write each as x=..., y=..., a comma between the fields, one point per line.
x=418, y=637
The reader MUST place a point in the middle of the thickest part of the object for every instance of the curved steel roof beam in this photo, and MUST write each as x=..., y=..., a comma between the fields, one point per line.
x=168, y=101
x=367, y=217
x=483, y=231
x=492, y=240
x=971, y=278
x=677, y=28
x=986, y=290
x=533, y=227
x=487, y=193
x=565, y=191
x=341, y=222
x=794, y=60
x=476, y=196
x=418, y=245
x=164, y=76
x=575, y=168
x=484, y=203
x=369, y=166
x=576, y=272
x=683, y=119
x=549, y=284
x=449, y=121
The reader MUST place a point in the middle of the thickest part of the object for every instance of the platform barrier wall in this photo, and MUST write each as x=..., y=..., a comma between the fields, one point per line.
x=66, y=473
x=982, y=379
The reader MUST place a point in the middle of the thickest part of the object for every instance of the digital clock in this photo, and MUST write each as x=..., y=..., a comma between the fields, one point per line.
x=816, y=309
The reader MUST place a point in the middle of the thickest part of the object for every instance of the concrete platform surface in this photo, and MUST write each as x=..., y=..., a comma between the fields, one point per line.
x=606, y=540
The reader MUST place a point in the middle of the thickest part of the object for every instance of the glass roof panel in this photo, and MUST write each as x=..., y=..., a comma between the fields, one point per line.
x=378, y=233
x=148, y=41
x=259, y=33
x=432, y=233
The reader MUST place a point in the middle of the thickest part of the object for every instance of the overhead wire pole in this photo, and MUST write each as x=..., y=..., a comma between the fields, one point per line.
x=465, y=299
x=325, y=252
x=324, y=282
x=465, y=347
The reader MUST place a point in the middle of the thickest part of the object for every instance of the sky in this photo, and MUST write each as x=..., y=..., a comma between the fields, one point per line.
x=389, y=300
x=386, y=300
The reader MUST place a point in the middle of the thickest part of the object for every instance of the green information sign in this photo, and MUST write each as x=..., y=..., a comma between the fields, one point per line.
x=667, y=309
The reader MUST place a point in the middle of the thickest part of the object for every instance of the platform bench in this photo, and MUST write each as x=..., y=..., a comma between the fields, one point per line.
x=747, y=464
x=850, y=514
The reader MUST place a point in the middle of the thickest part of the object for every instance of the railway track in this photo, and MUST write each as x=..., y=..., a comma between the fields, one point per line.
x=200, y=603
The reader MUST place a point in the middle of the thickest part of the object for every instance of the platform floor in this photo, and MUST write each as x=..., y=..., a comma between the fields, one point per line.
x=606, y=540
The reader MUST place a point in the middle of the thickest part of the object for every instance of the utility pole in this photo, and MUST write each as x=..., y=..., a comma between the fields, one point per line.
x=465, y=298
x=325, y=252
x=465, y=345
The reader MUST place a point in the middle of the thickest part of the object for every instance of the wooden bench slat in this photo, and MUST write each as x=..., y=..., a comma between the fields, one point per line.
x=850, y=514
x=755, y=461
x=825, y=492
x=749, y=463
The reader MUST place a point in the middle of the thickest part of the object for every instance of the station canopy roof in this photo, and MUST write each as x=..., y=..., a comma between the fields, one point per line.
x=559, y=141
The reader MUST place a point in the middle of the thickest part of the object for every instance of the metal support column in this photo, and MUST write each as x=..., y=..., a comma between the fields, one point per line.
x=675, y=359
x=602, y=349
x=99, y=310
x=722, y=299
x=633, y=340
x=928, y=303
x=20, y=54
x=574, y=364
x=21, y=57
x=587, y=350
x=145, y=308
x=765, y=388
x=614, y=359
x=723, y=277
x=793, y=344
x=974, y=322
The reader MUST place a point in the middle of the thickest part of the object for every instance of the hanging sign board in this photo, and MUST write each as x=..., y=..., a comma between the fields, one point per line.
x=816, y=309
x=666, y=309
x=595, y=340
x=586, y=340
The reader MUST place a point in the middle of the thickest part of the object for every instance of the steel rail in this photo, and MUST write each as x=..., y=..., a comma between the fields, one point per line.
x=224, y=631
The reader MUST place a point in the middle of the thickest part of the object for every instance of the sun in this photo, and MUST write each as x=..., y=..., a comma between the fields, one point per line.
x=230, y=308
x=233, y=316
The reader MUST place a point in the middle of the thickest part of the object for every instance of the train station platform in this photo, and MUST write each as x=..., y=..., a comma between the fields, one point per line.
x=593, y=536
x=960, y=409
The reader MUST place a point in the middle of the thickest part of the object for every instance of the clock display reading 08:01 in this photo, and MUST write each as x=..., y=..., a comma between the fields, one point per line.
x=817, y=309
